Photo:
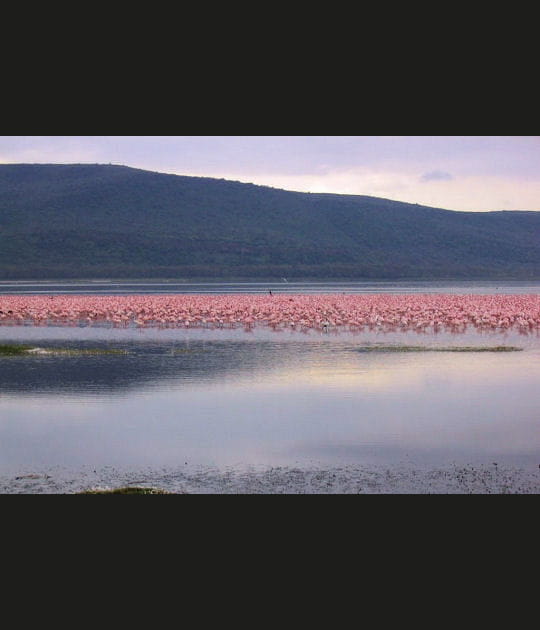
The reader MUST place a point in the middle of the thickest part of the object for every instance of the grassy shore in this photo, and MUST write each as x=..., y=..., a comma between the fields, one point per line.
x=8, y=350
x=21, y=350
x=126, y=490
x=398, y=348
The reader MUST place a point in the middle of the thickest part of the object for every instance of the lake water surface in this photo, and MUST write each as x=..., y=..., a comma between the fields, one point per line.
x=188, y=409
x=121, y=287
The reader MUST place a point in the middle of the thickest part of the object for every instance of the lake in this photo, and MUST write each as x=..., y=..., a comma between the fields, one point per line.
x=229, y=411
x=120, y=287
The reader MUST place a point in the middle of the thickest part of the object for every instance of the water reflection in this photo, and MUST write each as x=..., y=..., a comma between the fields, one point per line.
x=272, y=400
x=150, y=365
x=174, y=358
x=127, y=287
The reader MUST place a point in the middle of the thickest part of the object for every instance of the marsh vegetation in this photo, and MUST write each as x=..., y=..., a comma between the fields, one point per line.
x=21, y=350
x=125, y=490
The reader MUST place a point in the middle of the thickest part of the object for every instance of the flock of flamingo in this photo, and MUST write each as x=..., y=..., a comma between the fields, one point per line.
x=323, y=312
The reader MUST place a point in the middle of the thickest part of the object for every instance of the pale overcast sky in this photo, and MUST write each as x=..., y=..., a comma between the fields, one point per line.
x=454, y=172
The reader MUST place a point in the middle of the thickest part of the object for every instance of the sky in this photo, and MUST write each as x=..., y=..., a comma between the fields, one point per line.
x=465, y=173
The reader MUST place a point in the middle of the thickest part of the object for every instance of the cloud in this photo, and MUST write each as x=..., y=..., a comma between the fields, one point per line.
x=433, y=176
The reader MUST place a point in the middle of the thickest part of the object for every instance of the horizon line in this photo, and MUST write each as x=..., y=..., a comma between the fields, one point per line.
x=235, y=181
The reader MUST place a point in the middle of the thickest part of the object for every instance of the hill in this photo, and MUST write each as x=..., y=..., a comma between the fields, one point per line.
x=107, y=221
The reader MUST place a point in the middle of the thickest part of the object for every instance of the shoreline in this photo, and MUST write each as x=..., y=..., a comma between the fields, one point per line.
x=491, y=478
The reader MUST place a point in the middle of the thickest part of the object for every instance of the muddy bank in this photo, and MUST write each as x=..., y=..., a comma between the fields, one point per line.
x=471, y=479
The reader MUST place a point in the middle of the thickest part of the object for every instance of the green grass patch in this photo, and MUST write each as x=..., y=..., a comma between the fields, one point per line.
x=126, y=490
x=77, y=351
x=21, y=349
x=396, y=348
x=9, y=350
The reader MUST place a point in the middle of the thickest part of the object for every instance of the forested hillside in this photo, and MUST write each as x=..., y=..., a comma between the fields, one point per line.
x=106, y=221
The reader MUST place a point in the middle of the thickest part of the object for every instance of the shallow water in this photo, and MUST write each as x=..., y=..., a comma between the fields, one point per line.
x=277, y=286
x=182, y=401
x=229, y=411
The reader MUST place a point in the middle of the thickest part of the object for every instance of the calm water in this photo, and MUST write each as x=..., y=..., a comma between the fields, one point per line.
x=104, y=287
x=227, y=398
